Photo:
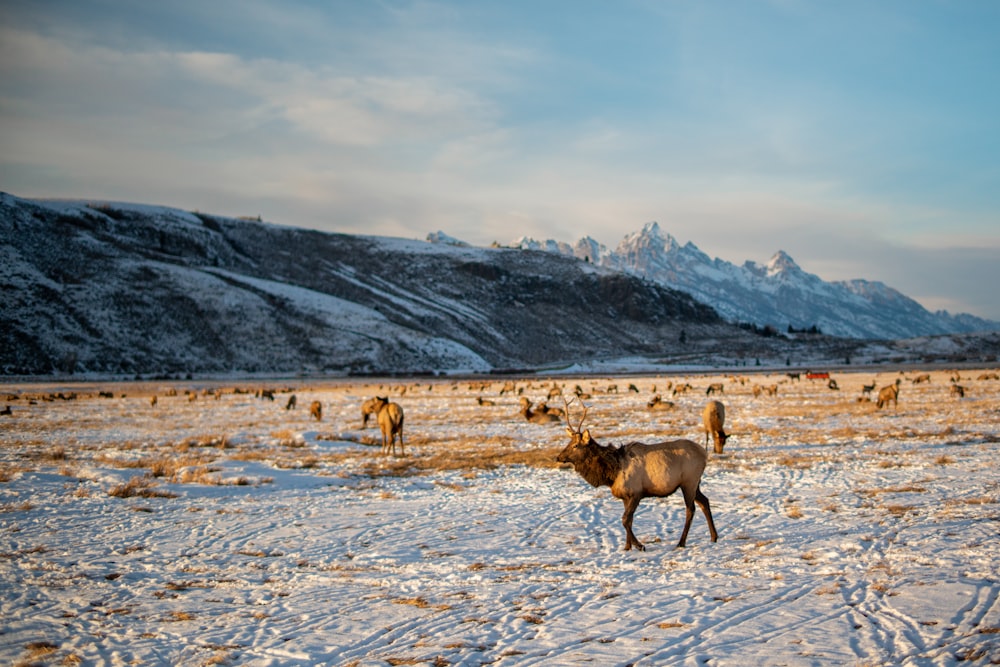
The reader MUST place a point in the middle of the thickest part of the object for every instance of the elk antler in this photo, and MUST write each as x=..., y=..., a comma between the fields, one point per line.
x=579, y=428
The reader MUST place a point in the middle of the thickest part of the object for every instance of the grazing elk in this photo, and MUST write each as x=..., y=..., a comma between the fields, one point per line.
x=657, y=403
x=888, y=393
x=484, y=401
x=715, y=388
x=537, y=416
x=958, y=391
x=714, y=419
x=390, y=421
x=637, y=470
x=291, y=402
x=316, y=410
x=925, y=377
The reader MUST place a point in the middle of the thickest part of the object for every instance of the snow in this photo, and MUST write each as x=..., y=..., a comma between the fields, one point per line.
x=848, y=535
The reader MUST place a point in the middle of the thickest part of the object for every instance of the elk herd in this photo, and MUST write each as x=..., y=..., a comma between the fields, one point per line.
x=634, y=470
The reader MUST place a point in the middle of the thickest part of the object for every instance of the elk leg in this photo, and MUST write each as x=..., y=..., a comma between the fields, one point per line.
x=688, y=516
x=630, y=539
x=702, y=501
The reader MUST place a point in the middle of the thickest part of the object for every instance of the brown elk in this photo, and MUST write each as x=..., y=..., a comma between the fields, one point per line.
x=657, y=403
x=636, y=470
x=291, y=402
x=390, y=421
x=316, y=410
x=925, y=377
x=888, y=393
x=867, y=389
x=715, y=388
x=714, y=419
x=484, y=401
x=958, y=391
x=537, y=416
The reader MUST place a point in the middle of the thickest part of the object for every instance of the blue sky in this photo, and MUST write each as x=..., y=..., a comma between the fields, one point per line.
x=860, y=137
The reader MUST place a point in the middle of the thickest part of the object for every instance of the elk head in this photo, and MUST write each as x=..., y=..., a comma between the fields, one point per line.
x=578, y=438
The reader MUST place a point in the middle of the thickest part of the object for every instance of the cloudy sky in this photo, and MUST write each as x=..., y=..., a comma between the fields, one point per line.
x=860, y=137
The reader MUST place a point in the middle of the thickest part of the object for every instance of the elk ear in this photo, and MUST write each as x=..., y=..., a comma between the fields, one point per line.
x=586, y=437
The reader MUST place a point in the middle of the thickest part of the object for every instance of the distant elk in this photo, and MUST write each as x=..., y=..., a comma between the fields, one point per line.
x=291, y=402
x=390, y=422
x=316, y=410
x=888, y=393
x=715, y=388
x=537, y=416
x=714, y=420
x=657, y=403
x=636, y=470
x=867, y=389
x=925, y=377
x=484, y=401
x=958, y=391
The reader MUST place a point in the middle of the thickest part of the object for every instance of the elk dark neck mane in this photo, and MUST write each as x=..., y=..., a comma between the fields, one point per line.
x=603, y=467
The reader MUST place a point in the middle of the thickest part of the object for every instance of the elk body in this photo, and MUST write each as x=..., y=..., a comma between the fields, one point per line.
x=537, y=416
x=637, y=470
x=390, y=422
x=316, y=410
x=657, y=403
x=888, y=393
x=714, y=419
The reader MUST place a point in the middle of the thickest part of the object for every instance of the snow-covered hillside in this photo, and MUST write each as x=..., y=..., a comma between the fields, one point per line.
x=778, y=293
x=131, y=289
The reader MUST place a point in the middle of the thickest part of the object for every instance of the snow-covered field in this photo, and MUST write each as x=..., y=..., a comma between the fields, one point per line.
x=254, y=535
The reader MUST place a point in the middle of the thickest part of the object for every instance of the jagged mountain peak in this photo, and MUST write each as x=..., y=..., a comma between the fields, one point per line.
x=779, y=293
x=782, y=263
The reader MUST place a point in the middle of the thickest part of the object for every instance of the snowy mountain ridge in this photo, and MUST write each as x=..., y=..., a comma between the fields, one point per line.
x=779, y=293
x=133, y=289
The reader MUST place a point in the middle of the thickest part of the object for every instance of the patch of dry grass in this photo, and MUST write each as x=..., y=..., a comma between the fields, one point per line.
x=139, y=487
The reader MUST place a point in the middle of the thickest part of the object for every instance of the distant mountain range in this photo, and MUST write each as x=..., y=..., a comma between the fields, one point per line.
x=130, y=290
x=779, y=294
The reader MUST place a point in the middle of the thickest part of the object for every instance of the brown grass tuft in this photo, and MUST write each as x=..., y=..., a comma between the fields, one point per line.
x=139, y=487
